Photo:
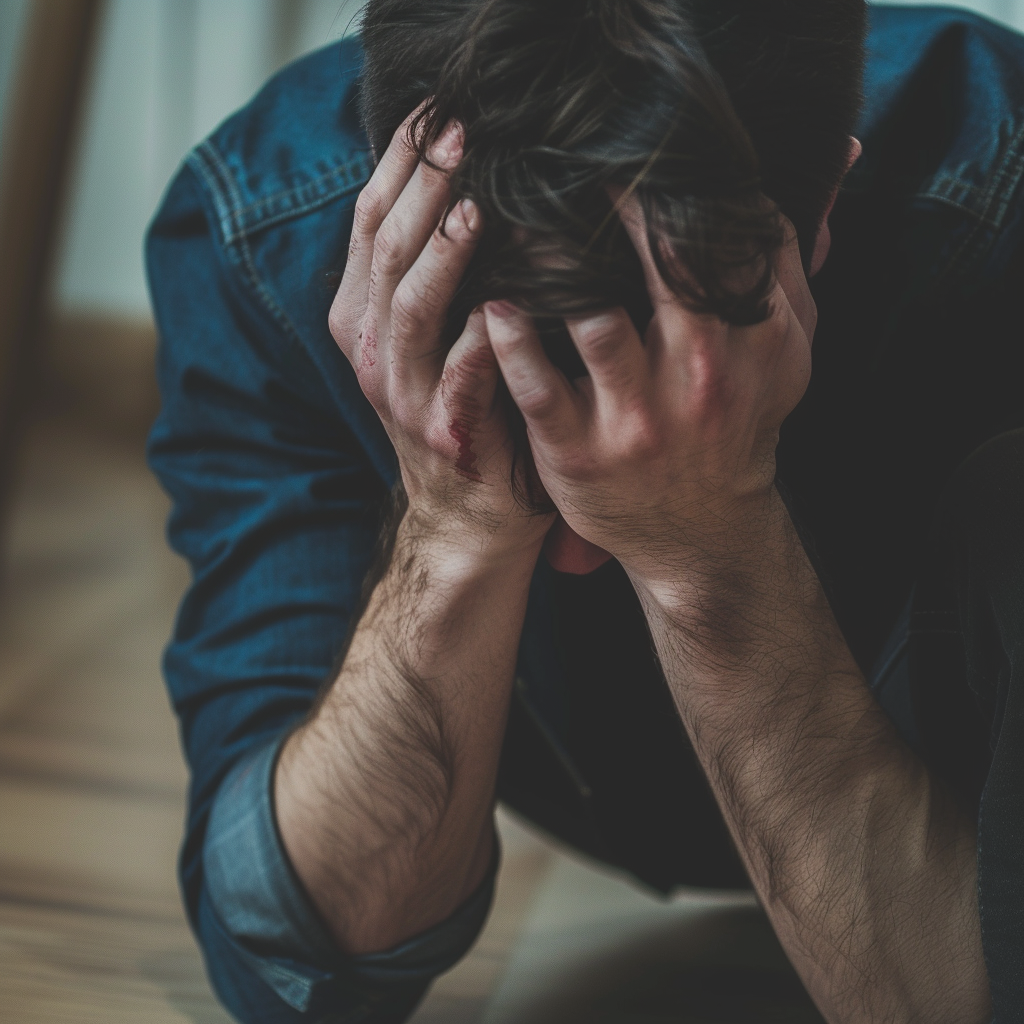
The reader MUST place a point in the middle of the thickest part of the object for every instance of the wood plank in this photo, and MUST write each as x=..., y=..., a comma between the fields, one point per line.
x=91, y=778
x=66, y=967
x=105, y=852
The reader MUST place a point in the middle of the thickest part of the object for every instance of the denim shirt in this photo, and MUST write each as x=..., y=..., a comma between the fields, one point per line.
x=277, y=467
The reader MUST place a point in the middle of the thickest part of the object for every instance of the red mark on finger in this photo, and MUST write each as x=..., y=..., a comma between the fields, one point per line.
x=466, y=461
x=367, y=349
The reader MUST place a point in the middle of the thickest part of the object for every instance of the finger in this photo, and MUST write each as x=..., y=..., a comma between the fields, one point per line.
x=470, y=378
x=375, y=201
x=613, y=354
x=676, y=330
x=412, y=218
x=792, y=279
x=380, y=194
x=631, y=214
x=466, y=396
x=420, y=303
x=544, y=397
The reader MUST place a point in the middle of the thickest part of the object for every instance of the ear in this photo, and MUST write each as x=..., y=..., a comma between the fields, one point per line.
x=823, y=242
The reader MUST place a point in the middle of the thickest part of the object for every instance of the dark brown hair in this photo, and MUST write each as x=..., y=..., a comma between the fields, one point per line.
x=714, y=113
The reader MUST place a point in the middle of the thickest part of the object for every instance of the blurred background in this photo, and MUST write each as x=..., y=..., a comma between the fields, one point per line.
x=99, y=102
x=159, y=76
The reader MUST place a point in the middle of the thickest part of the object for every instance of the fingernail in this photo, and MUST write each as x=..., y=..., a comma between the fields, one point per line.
x=470, y=215
x=452, y=133
x=447, y=151
x=502, y=308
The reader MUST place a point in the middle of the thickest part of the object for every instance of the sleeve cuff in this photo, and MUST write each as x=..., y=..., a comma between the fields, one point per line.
x=261, y=904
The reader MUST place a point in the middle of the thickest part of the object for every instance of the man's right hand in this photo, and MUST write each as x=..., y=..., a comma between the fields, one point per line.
x=384, y=796
x=439, y=408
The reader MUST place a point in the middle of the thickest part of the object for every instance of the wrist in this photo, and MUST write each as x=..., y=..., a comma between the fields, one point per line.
x=733, y=552
x=469, y=545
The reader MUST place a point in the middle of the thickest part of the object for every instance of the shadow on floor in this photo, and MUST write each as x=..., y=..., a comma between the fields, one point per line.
x=716, y=966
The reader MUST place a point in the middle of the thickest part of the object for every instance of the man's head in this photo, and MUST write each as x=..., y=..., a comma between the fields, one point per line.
x=701, y=108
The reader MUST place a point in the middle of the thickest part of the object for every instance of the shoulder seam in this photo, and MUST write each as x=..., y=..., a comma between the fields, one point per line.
x=237, y=219
x=206, y=162
x=994, y=202
x=990, y=202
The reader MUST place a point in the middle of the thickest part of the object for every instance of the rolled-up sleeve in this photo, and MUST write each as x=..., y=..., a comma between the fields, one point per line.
x=275, y=505
x=262, y=911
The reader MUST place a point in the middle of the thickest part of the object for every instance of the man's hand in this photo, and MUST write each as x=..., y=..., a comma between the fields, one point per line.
x=384, y=797
x=670, y=442
x=439, y=409
x=865, y=863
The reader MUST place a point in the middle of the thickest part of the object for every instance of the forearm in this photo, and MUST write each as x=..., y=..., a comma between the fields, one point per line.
x=865, y=864
x=385, y=797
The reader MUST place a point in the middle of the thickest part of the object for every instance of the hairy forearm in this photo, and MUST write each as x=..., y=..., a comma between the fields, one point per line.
x=385, y=796
x=865, y=864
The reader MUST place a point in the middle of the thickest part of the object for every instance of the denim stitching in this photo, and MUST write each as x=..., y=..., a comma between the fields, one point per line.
x=356, y=171
x=950, y=182
x=996, y=201
x=240, y=242
x=208, y=173
x=236, y=219
x=934, y=197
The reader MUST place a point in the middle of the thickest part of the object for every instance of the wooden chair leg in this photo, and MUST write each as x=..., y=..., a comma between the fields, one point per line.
x=38, y=144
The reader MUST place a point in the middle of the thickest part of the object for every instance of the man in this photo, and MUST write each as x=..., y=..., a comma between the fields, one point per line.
x=868, y=770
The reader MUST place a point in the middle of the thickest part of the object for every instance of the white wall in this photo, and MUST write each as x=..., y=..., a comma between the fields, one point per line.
x=167, y=71
x=12, y=19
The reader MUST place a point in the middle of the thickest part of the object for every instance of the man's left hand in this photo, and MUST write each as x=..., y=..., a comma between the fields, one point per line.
x=668, y=447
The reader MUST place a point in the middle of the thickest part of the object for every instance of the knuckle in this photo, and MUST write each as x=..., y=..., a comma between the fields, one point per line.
x=437, y=438
x=466, y=372
x=369, y=212
x=337, y=326
x=369, y=383
x=600, y=345
x=537, y=402
x=339, y=322
x=404, y=411
x=387, y=250
x=598, y=336
x=407, y=306
x=639, y=437
x=714, y=394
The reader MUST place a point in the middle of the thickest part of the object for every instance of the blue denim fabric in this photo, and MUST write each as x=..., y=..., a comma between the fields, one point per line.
x=277, y=467
x=252, y=886
x=261, y=905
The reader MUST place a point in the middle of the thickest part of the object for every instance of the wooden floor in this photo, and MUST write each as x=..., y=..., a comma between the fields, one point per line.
x=92, y=803
x=91, y=777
